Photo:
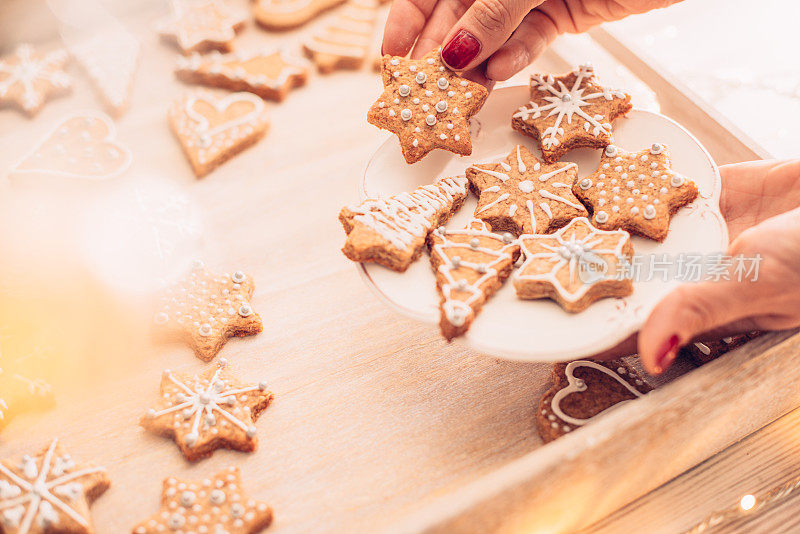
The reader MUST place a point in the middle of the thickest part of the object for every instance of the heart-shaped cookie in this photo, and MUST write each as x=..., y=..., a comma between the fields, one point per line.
x=80, y=146
x=211, y=129
x=584, y=389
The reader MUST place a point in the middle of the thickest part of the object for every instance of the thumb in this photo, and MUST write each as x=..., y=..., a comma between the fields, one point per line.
x=482, y=30
x=687, y=312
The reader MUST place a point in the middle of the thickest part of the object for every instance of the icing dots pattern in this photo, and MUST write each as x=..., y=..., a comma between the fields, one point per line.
x=206, y=309
x=523, y=195
x=210, y=128
x=81, y=146
x=573, y=106
x=28, y=78
x=202, y=25
x=467, y=263
x=637, y=191
x=572, y=260
x=213, y=505
x=48, y=492
x=427, y=105
x=205, y=412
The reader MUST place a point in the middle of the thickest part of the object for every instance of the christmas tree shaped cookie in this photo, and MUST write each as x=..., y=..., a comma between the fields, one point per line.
x=570, y=111
x=470, y=264
x=521, y=195
x=392, y=231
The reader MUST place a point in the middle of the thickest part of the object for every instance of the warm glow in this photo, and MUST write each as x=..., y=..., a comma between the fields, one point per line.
x=747, y=502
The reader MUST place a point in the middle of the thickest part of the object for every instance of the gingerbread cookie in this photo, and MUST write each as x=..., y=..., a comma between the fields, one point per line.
x=49, y=493
x=470, y=265
x=270, y=75
x=426, y=105
x=205, y=309
x=214, y=505
x=82, y=146
x=206, y=412
x=702, y=352
x=635, y=191
x=288, y=14
x=345, y=43
x=28, y=78
x=202, y=25
x=212, y=129
x=582, y=390
x=570, y=111
x=523, y=196
x=20, y=393
x=575, y=266
x=391, y=232
x=109, y=59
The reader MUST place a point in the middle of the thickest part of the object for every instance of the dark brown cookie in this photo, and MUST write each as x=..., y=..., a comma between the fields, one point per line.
x=702, y=352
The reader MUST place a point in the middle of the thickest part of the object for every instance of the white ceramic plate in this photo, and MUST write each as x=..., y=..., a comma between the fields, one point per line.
x=540, y=330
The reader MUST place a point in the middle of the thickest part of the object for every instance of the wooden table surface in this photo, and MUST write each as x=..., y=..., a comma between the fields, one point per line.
x=374, y=414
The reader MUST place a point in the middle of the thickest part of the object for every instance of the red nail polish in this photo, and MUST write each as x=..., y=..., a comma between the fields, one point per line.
x=667, y=353
x=461, y=50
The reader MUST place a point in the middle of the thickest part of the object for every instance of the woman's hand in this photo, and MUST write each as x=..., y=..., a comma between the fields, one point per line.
x=761, y=203
x=505, y=34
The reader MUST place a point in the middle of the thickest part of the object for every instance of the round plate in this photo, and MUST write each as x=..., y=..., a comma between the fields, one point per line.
x=539, y=330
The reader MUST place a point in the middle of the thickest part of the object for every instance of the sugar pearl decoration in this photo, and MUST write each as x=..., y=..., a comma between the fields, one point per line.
x=676, y=181
x=611, y=151
x=421, y=78
x=586, y=184
x=441, y=106
x=474, y=242
x=238, y=277
x=442, y=83
x=656, y=149
x=404, y=90
x=649, y=212
x=601, y=217
x=430, y=120
x=406, y=114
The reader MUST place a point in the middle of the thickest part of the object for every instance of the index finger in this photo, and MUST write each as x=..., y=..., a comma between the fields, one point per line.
x=405, y=22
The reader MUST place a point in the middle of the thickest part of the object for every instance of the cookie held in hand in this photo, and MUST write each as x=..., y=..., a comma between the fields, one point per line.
x=570, y=111
x=392, y=232
x=575, y=266
x=521, y=195
x=426, y=105
x=635, y=191
x=582, y=390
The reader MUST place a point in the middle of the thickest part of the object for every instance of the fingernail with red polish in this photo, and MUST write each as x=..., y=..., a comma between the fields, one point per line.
x=668, y=352
x=461, y=50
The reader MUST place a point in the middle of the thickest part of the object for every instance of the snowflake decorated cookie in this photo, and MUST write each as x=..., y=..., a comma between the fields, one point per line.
x=570, y=111
x=426, y=105
x=287, y=14
x=202, y=25
x=83, y=146
x=345, y=43
x=28, y=77
x=584, y=389
x=206, y=412
x=49, y=493
x=575, y=266
x=635, y=191
x=205, y=309
x=392, y=231
x=269, y=74
x=471, y=264
x=213, y=505
x=213, y=129
x=522, y=195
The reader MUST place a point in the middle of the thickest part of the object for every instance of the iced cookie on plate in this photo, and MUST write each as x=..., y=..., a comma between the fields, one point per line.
x=471, y=264
x=575, y=266
x=635, y=191
x=392, y=231
x=426, y=105
x=584, y=389
x=570, y=111
x=522, y=195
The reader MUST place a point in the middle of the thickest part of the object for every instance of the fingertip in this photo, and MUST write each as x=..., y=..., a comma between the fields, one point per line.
x=507, y=61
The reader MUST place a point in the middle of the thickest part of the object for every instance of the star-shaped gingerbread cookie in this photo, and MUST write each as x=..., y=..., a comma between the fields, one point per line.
x=570, y=111
x=49, y=493
x=270, y=74
x=584, y=389
x=213, y=505
x=635, y=191
x=205, y=412
x=28, y=78
x=206, y=309
x=575, y=266
x=521, y=195
x=426, y=105
x=202, y=25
